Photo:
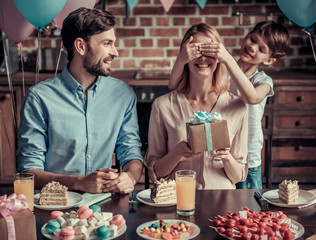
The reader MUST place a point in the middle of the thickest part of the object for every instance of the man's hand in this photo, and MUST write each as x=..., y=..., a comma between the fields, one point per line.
x=122, y=184
x=96, y=182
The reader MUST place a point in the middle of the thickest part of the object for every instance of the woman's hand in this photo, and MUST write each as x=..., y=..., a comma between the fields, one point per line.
x=222, y=154
x=189, y=51
x=182, y=149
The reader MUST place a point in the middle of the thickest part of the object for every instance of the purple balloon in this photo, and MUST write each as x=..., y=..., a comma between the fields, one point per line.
x=12, y=22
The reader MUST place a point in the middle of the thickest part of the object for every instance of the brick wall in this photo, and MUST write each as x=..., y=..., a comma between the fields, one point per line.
x=151, y=38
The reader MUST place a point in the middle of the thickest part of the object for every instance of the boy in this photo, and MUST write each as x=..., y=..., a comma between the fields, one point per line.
x=266, y=43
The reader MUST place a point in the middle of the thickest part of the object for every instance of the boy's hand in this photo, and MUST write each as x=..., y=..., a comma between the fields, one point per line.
x=189, y=51
x=215, y=50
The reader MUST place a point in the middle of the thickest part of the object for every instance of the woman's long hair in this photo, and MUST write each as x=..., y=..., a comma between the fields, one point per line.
x=220, y=81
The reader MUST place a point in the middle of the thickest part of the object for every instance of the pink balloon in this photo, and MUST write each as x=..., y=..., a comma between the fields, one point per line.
x=70, y=6
x=12, y=22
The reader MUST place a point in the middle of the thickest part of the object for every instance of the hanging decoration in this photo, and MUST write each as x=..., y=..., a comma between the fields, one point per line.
x=132, y=3
x=308, y=32
x=40, y=12
x=167, y=4
x=201, y=3
x=300, y=12
x=72, y=5
x=12, y=22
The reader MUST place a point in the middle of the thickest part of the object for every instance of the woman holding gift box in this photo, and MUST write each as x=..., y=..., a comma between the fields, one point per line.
x=203, y=87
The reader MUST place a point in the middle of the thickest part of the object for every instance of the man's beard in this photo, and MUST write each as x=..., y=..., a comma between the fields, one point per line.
x=93, y=66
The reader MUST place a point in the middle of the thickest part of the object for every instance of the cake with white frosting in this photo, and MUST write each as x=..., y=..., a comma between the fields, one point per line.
x=163, y=190
x=288, y=191
x=53, y=193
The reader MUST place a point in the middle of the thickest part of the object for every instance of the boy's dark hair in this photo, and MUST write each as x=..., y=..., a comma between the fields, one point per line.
x=83, y=23
x=277, y=36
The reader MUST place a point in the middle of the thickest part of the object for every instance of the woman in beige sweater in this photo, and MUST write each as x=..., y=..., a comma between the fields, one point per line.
x=203, y=87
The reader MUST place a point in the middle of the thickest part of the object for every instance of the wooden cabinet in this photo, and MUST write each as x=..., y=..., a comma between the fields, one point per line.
x=8, y=139
x=8, y=136
x=292, y=136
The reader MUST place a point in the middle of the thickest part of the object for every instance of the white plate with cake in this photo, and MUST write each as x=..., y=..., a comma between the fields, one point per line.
x=304, y=197
x=73, y=199
x=144, y=197
x=162, y=194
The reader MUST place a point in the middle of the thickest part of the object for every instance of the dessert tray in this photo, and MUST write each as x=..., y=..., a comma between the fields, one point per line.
x=50, y=236
x=144, y=197
x=140, y=228
x=304, y=198
x=298, y=234
x=73, y=199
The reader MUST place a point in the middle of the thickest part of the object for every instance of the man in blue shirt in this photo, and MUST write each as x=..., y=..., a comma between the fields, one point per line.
x=72, y=123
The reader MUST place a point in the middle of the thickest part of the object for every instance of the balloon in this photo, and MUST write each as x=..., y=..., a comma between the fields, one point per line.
x=301, y=12
x=12, y=22
x=40, y=12
x=70, y=6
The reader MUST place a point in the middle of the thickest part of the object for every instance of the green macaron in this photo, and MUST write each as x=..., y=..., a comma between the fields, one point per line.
x=95, y=208
x=102, y=232
x=51, y=226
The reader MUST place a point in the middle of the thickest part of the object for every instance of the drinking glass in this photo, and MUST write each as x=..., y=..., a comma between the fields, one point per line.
x=185, y=187
x=24, y=184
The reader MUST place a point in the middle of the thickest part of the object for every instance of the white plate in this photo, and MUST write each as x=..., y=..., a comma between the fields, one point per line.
x=51, y=236
x=73, y=199
x=304, y=197
x=147, y=224
x=298, y=234
x=144, y=197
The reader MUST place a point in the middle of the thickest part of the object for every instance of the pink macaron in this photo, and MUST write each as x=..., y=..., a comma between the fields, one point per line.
x=118, y=220
x=67, y=234
x=55, y=214
x=84, y=212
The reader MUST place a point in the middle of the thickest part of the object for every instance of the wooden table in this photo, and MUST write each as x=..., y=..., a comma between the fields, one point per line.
x=208, y=204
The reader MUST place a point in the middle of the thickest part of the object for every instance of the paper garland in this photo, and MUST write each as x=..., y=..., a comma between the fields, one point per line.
x=201, y=3
x=167, y=4
x=132, y=3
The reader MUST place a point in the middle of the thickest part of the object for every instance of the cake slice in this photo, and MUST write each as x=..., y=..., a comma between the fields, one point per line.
x=163, y=190
x=288, y=191
x=53, y=193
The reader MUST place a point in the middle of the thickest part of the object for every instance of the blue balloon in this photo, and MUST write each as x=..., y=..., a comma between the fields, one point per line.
x=301, y=12
x=40, y=12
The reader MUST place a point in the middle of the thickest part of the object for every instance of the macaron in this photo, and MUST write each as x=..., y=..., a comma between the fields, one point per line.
x=55, y=214
x=51, y=226
x=95, y=208
x=118, y=220
x=84, y=212
x=102, y=232
x=67, y=234
x=61, y=221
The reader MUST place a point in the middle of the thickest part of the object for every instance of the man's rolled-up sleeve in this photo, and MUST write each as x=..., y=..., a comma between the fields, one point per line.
x=32, y=135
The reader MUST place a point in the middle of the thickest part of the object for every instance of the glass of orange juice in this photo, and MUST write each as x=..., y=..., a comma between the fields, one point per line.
x=24, y=184
x=185, y=187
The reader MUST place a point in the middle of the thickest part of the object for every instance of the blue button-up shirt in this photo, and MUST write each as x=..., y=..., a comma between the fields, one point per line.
x=64, y=131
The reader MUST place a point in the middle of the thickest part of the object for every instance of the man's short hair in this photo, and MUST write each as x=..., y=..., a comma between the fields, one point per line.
x=83, y=23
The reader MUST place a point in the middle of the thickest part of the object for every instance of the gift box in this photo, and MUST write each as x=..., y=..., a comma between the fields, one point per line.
x=207, y=134
x=16, y=220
